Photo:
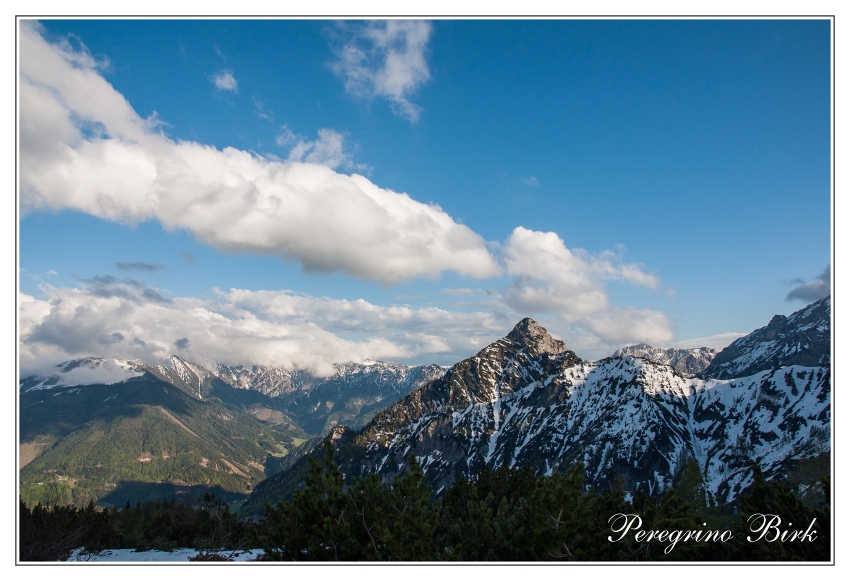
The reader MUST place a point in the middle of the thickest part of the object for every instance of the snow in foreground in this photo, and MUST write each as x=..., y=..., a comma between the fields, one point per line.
x=177, y=556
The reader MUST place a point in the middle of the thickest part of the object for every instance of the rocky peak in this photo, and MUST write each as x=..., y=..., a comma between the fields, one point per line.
x=531, y=337
x=802, y=338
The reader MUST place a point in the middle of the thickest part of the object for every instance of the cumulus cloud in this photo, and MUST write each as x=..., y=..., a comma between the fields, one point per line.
x=812, y=291
x=83, y=147
x=108, y=317
x=550, y=278
x=386, y=59
x=125, y=319
x=328, y=150
x=143, y=266
x=225, y=81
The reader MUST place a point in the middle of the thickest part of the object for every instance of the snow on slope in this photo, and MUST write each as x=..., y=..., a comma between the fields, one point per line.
x=803, y=338
x=685, y=361
x=87, y=371
x=527, y=400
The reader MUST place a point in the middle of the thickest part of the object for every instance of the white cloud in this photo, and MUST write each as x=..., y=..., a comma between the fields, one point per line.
x=106, y=371
x=82, y=146
x=286, y=136
x=550, y=278
x=225, y=81
x=630, y=325
x=328, y=150
x=125, y=318
x=460, y=292
x=718, y=342
x=386, y=59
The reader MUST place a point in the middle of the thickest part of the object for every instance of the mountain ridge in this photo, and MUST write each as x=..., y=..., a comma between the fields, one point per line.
x=527, y=400
x=685, y=361
x=802, y=338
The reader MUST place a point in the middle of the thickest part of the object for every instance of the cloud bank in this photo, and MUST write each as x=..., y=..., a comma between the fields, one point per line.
x=550, y=278
x=127, y=319
x=386, y=59
x=83, y=147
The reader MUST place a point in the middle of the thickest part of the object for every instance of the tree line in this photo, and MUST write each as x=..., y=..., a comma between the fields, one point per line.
x=506, y=514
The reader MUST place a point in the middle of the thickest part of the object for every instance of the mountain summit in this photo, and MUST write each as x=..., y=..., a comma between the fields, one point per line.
x=802, y=338
x=529, y=336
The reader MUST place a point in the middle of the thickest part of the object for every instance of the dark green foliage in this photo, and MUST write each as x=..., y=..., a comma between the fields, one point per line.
x=502, y=515
x=366, y=521
x=805, y=479
x=51, y=534
x=508, y=515
x=772, y=498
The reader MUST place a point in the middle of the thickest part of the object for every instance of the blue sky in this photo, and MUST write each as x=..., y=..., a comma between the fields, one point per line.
x=618, y=181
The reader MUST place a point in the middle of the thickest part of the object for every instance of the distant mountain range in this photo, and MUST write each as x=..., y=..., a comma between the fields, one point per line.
x=118, y=430
x=685, y=361
x=351, y=395
x=526, y=399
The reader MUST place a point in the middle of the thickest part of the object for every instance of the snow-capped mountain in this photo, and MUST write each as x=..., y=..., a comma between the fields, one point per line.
x=354, y=393
x=85, y=371
x=350, y=396
x=526, y=399
x=270, y=381
x=685, y=361
x=803, y=338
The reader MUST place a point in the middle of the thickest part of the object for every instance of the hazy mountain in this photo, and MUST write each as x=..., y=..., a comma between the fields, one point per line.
x=351, y=395
x=685, y=361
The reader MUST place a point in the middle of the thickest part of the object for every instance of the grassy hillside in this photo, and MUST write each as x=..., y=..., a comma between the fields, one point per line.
x=145, y=439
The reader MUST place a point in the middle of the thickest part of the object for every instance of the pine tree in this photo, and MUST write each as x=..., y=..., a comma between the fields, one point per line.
x=771, y=498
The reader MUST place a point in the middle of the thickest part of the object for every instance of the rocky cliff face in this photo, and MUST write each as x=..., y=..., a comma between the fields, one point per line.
x=802, y=338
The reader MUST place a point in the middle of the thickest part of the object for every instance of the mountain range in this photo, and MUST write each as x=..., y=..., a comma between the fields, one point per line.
x=685, y=361
x=104, y=426
x=526, y=399
x=119, y=430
